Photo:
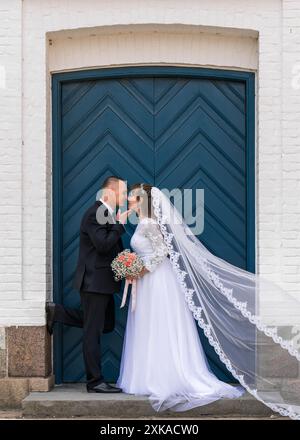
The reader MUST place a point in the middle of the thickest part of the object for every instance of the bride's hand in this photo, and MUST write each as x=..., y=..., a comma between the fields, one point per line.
x=122, y=217
x=129, y=280
x=143, y=272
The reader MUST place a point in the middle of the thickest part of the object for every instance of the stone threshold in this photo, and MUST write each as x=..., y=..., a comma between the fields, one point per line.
x=72, y=401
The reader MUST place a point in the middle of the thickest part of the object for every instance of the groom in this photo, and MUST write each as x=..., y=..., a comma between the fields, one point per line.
x=100, y=242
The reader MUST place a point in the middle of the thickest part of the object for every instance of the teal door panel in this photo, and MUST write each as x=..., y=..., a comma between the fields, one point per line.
x=200, y=142
x=175, y=128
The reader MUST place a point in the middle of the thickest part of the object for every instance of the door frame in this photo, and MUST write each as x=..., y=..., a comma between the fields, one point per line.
x=57, y=79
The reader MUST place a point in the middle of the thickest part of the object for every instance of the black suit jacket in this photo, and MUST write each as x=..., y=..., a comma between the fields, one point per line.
x=99, y=244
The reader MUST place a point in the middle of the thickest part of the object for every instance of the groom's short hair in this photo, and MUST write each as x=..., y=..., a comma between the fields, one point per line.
x=107, y=183
x=109, y=180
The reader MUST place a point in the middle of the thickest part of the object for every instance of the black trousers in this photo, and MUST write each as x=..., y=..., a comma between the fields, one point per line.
x=91, y=319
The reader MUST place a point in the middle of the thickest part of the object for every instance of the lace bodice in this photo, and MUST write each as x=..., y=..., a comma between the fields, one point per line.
x=147, y=241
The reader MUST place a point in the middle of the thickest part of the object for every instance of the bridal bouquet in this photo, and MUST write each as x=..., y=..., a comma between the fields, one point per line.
x=127, y=265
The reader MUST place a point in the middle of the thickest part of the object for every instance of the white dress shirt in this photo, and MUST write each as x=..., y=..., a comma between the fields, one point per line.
x=111, y=212
x=107, y=206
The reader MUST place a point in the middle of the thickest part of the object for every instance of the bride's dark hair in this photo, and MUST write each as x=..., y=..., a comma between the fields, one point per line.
x=143, y=194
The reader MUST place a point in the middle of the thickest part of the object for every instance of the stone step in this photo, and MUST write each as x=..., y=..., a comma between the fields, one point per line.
x=72, y=400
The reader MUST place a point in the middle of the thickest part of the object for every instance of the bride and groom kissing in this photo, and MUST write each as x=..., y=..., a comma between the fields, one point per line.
x=162, y=356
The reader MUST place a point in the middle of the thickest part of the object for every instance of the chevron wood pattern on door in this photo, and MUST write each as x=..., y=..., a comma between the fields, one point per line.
x=200, y=143
x=167, y=131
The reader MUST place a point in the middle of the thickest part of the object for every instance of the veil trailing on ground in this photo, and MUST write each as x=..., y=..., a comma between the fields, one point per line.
x=252, y=323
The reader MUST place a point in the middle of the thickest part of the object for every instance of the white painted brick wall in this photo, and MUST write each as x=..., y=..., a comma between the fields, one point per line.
x=25, y=172
x=290, y=152
x=10, y=155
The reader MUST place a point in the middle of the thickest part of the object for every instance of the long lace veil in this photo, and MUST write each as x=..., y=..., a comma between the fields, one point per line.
x=251, y=322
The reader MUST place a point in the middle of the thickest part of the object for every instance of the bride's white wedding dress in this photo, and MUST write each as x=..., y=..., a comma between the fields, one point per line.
x=162, y=354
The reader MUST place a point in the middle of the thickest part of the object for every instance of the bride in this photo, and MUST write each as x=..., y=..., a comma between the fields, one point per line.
x=162, y=354
x=252, y=323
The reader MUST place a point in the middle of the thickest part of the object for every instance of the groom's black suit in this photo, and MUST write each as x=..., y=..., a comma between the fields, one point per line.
x=99, y=244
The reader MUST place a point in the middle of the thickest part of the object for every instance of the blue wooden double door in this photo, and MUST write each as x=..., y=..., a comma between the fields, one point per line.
x=171, y=127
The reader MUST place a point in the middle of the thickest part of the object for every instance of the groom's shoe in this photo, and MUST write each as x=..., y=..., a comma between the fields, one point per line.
x=103, y=387
x=50, y=309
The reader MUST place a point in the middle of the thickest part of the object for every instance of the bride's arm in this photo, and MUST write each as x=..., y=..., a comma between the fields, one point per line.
x=160, y=250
